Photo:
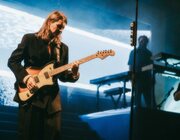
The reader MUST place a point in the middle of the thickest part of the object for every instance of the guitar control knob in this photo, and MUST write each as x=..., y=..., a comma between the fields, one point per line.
x=27, y=95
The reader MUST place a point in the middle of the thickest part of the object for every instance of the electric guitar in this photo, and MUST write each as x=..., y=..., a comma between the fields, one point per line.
x=45, y=75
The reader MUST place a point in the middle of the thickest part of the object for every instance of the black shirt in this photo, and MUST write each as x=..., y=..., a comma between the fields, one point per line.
x=143, y=58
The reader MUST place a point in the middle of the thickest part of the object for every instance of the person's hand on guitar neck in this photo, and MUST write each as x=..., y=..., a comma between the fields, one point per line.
x=29, y=81
x=75, y=69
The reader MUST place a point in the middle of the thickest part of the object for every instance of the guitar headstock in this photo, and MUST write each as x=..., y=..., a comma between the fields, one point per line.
x=105, y=53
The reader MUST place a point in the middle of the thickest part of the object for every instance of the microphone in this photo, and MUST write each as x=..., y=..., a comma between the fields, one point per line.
x=165, y=98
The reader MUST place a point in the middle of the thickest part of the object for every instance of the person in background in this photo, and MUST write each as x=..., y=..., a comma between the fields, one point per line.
x=40, y=116
x=143, y=81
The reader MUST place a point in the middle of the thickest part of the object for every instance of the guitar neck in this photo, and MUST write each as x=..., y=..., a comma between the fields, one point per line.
x=69, y=66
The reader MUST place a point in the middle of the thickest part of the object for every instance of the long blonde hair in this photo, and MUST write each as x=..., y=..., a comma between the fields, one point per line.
x=44, y=31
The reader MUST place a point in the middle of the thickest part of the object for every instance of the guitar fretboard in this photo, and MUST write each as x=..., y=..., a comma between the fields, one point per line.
x=70, y=65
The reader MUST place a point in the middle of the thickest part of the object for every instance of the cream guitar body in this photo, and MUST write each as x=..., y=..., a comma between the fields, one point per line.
x=41, y=78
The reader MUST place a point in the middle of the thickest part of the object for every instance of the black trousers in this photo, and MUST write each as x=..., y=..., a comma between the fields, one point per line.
x=36, y=124
x=144, y=90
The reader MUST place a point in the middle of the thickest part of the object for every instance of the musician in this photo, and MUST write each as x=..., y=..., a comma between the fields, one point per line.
x=143, y=79
x=40, y=116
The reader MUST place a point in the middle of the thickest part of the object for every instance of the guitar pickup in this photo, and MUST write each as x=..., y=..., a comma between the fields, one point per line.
x=46, y=75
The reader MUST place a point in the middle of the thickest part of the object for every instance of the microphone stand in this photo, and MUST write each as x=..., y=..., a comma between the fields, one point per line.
x=165, y=98
x=133, y=74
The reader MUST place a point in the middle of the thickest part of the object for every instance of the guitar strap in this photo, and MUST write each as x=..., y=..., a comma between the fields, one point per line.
x=55, y=46
x=58, y=54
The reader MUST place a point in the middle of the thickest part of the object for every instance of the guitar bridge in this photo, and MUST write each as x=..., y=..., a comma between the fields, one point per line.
x=36, y=79
x=33, y=90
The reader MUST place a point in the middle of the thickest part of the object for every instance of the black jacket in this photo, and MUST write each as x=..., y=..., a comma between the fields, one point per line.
x=33, y=52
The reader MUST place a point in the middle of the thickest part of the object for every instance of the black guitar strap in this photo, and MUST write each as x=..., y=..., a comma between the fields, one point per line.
x=55, y=49
x=58, y=53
